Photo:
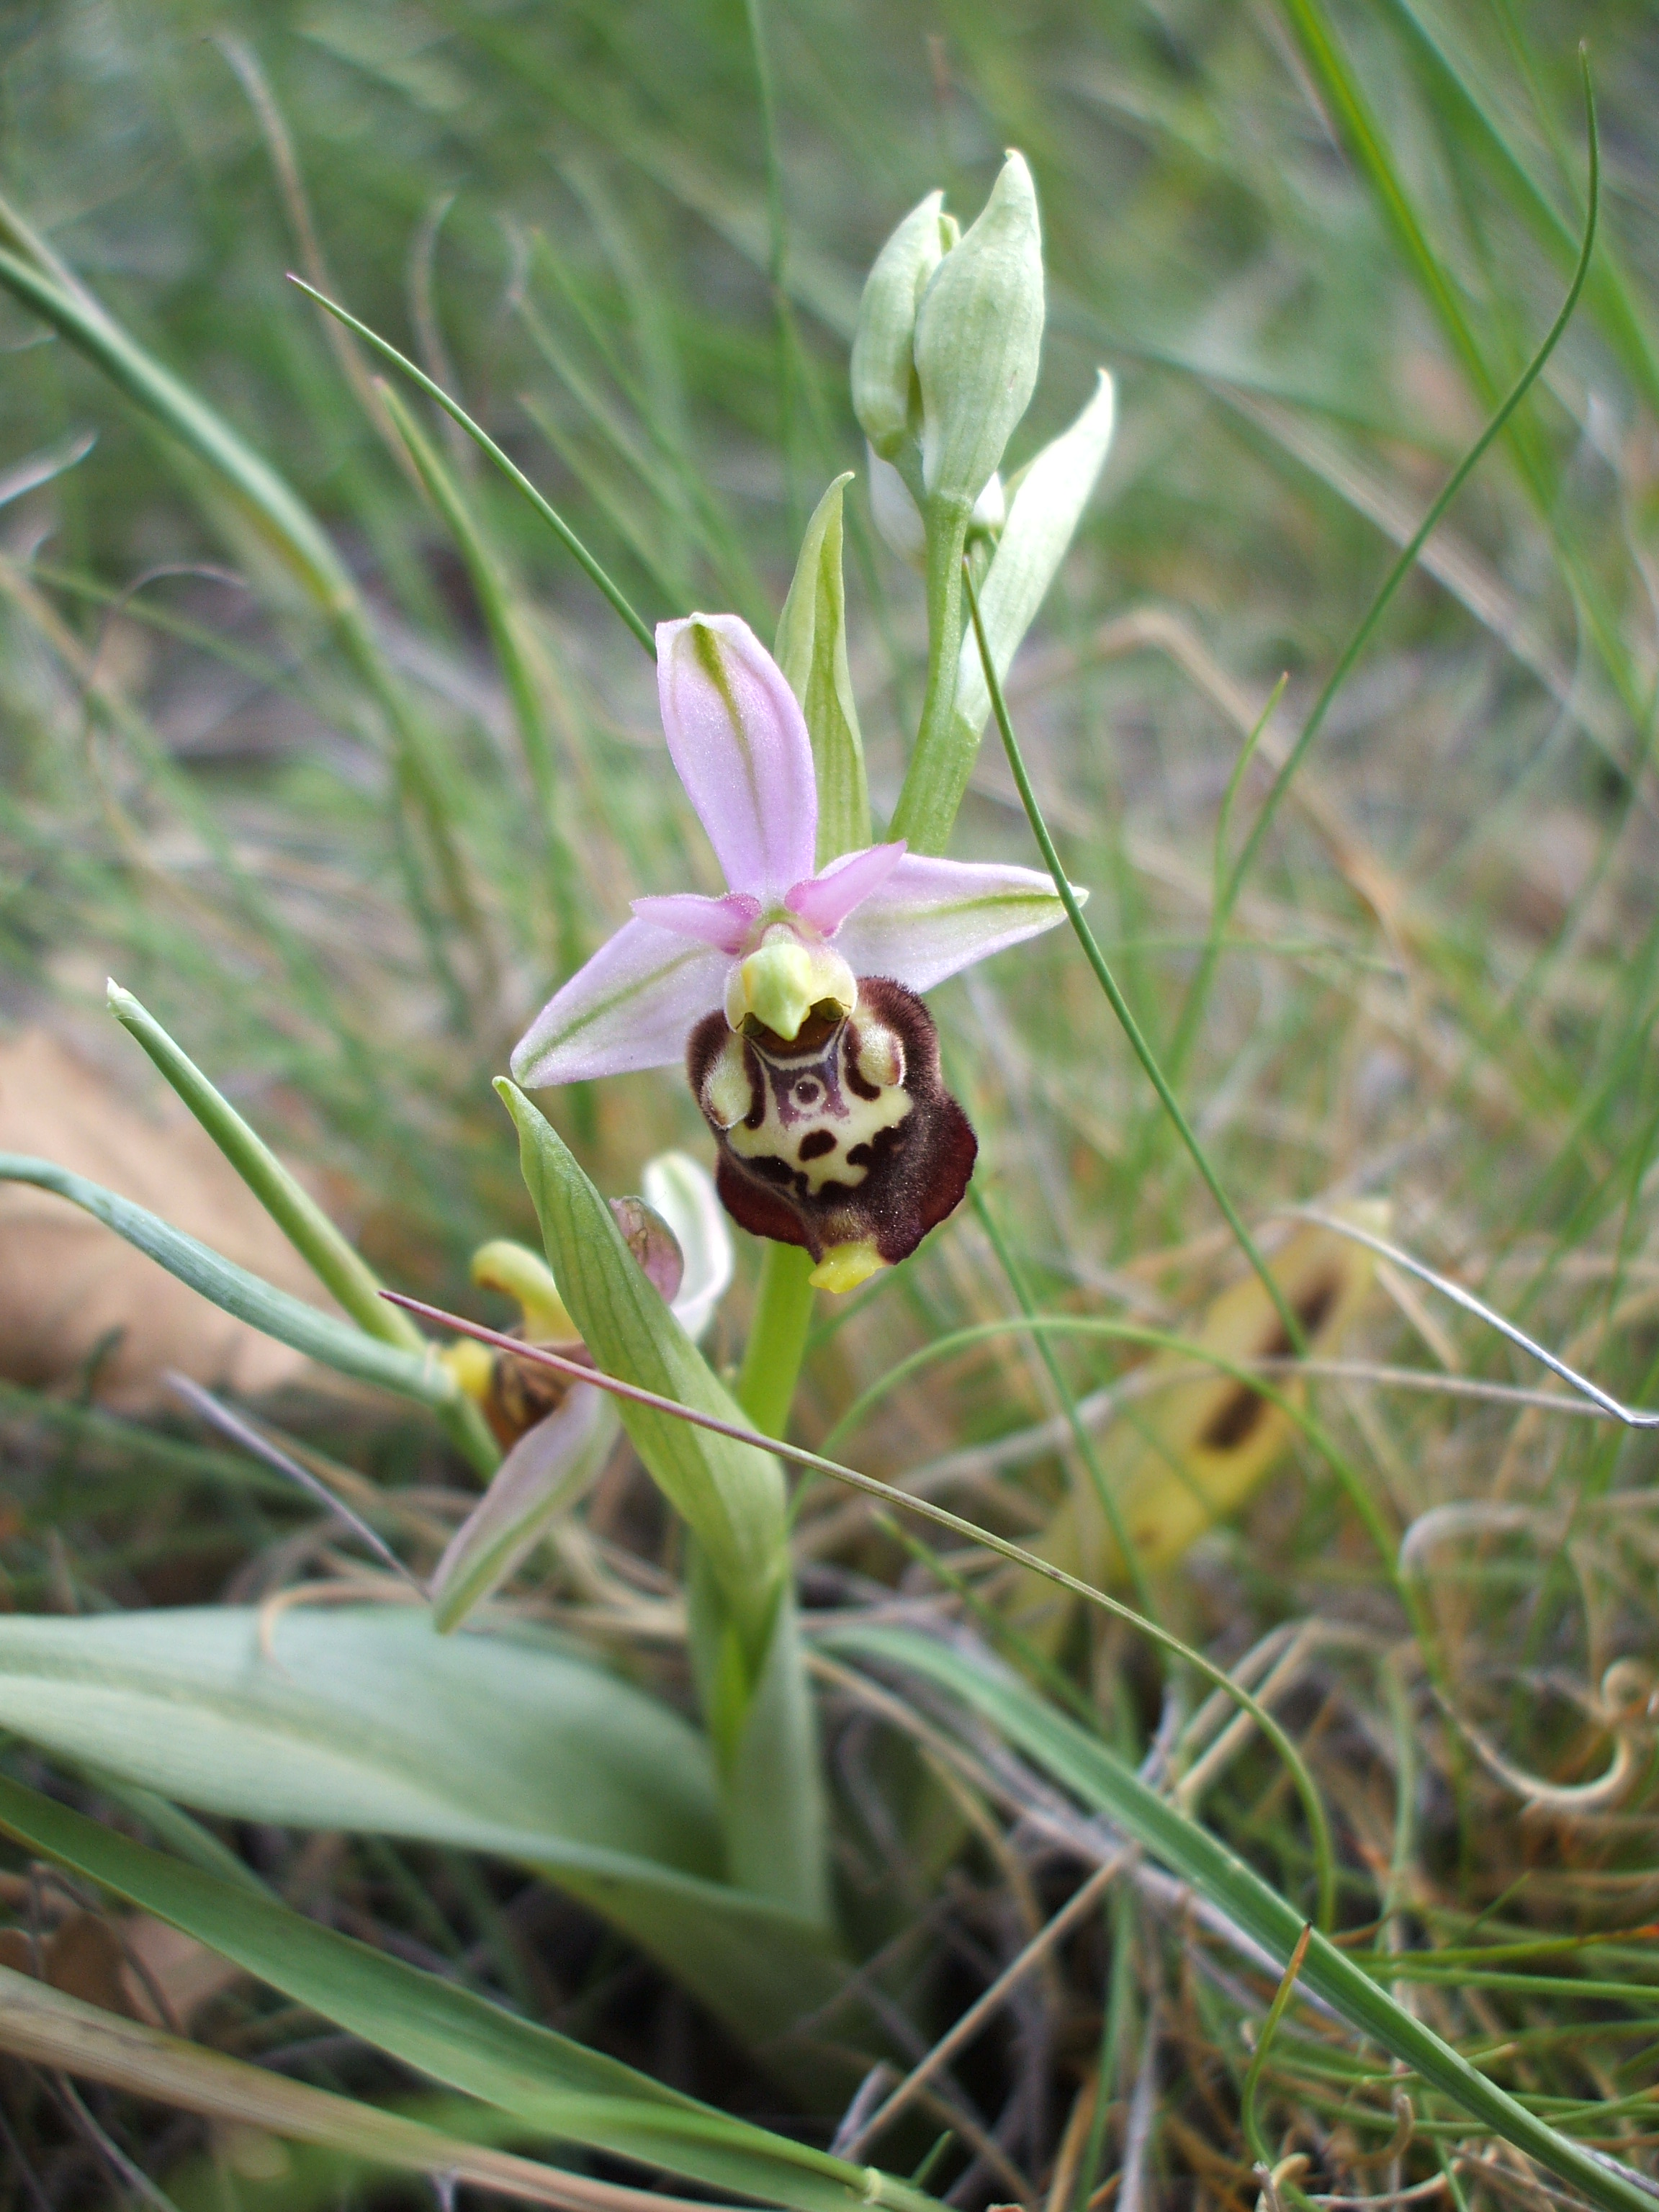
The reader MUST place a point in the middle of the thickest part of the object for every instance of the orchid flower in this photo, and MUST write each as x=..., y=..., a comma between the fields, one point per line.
x=792, y=999
x=558, y=1433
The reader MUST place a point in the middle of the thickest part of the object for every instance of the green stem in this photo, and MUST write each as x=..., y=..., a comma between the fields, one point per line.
x=939, y=766
x=777, y=1338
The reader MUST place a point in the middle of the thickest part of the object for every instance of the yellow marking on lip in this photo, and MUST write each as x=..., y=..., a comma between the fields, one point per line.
x=844, y=1267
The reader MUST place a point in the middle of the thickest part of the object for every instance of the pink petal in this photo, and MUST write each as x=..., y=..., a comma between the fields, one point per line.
x=736, y=737
x=825, y=900
x=931, y=917
x=633, y=1006
x=724, y=922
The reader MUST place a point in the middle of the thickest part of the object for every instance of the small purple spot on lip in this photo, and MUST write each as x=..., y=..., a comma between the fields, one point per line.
x=814, y=1090
x=815, y=1146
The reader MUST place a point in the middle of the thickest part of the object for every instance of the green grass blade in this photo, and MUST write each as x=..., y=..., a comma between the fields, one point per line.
x=337, y=1266
x=517, y=653
x=339, y=1269
x=285, y=526
x=514, y=475
x=1609, y=292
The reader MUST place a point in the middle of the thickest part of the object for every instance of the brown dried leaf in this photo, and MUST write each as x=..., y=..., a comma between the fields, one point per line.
x=185, y=1973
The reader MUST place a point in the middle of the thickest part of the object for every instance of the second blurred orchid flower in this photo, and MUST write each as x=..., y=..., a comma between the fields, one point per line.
x=813, y=1059
x=558, y=1433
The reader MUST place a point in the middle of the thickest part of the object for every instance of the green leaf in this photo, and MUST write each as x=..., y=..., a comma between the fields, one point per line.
x=337, y=1344
x=777, y=1820
x=1084, y=1765
x=367, y=1719
x=363, y=1718
x=811, y=651
x=731, y=1495
x=295, y=1212
x=559, y=2089
x=301, y=1220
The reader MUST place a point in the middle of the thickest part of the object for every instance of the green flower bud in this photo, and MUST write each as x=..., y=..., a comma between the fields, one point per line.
x=883, y=367
x=979, y=333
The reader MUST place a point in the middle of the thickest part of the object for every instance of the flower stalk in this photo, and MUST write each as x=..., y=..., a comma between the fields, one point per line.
x=777, y=1338
x=938, y=772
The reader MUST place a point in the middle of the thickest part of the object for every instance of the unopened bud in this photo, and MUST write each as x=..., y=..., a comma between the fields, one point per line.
x=978, y=337
x=991, y=508
x=882, y=365
x=897, y=515
x=653, y=1243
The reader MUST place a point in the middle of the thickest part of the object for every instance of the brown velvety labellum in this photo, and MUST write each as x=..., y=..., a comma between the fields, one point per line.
x=836, y=1139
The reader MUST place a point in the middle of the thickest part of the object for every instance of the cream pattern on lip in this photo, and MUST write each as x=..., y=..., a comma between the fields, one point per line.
x=783, y=968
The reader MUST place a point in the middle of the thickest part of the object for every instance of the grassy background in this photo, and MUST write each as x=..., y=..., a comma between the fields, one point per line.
x=1438, y=983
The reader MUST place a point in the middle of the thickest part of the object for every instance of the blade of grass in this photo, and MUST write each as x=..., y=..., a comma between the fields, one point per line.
x=228, y=1423
x=1247, y=2113
x=1609, y=288
x=514, y=651
x=1631, y=1417
x=514, y=475
x=1083, y=1443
